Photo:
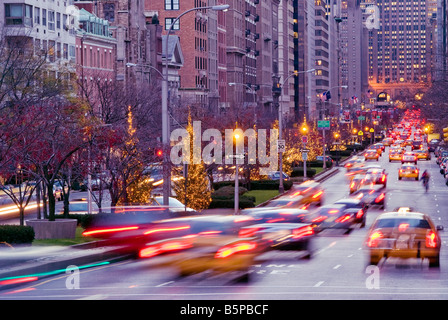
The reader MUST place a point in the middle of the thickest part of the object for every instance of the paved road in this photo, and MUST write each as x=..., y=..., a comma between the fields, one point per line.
x=338, y=269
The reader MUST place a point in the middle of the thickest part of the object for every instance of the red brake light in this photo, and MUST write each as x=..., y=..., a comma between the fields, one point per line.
x=380, y=197
x=317, y=194
x=275, y=220
x=247, y=232
x=343, y=218
x=383, y=178
x=431, y=239
x=302, y=232
x=374, y=238
x=166, y=229
x=229, y=250
x=359, y=214
x=155, y=250
x=108, y=230
x=319, y=219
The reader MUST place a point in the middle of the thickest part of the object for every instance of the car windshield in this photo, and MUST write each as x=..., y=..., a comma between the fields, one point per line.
x=82, y=206
x=394, y=223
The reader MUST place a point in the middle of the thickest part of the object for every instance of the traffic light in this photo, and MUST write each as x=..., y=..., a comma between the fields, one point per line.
x=158, y=153
x=304, y=129
x=445, y=134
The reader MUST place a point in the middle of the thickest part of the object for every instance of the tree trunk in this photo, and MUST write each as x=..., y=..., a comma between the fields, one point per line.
x=51, y=203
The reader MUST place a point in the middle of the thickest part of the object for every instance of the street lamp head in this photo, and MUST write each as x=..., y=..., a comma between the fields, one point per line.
x=129, y=64
x=221, y=7
x=344, y=87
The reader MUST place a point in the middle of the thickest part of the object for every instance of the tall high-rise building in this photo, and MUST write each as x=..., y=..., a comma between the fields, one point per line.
x=353, y=73
x=401, y=49
x=317, y=47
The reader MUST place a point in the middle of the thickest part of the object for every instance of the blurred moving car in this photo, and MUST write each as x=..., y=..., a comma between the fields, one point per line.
x=286, y=201
x=330, y=216
x=311, y=190
x=408, y=170
x=372, y=195
x=356, y=182
x=417, y=145
x=80, y=206
x=354, y=163
x=395, y=155
x=404, y=235
x=371, y=155
x=422, y=154
x=206, y=243
x=173, y=203
x=356, y=208
x=409, y=157
x=377, y=175
x=128, y=226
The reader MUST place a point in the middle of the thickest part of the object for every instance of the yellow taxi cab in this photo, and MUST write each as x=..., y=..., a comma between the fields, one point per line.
x=394, y=155
x=422, y=154
x=404, y=234
x=201, y=243
x=408, y=170
x=371, y=155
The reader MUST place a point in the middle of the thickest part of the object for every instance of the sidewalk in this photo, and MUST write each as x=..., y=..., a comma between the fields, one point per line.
x=32, y=263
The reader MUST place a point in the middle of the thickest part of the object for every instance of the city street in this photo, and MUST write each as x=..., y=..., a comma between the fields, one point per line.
x=337, y=270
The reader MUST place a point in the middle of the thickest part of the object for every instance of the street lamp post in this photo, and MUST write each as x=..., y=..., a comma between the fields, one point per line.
x=165, y=124
x=281, y=187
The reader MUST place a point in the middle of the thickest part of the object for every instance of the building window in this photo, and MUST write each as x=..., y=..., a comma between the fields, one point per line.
x=169, y=22
x=36, y=15
x=44, y=17
x=171, y=4
x=109, y=11
x=58, y=20
x=51, y=20
x=18, y=14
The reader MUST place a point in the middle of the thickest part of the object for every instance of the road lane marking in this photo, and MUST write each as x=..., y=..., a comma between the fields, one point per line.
x=337, y=266
x=164, y=284
x=318, y=284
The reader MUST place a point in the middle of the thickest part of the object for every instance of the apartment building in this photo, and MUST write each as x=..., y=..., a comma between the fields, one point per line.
x=45, y=25
x=95, y=48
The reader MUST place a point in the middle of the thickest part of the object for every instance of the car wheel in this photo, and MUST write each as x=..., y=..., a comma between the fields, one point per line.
x=399, y=178
x=434, y=262
x=416, y=179
x=374, y=260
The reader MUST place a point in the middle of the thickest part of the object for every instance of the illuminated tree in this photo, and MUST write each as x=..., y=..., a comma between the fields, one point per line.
x=136, y=186
x=195, y=192
x=293, y=138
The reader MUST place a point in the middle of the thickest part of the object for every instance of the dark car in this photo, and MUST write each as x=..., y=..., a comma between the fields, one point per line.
x=373, y=195
x=271, y=215
x=433, y=144
x=417, y=144
x=128, y=226
x=326, y=216
x=358, y=207
x=283, y=236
